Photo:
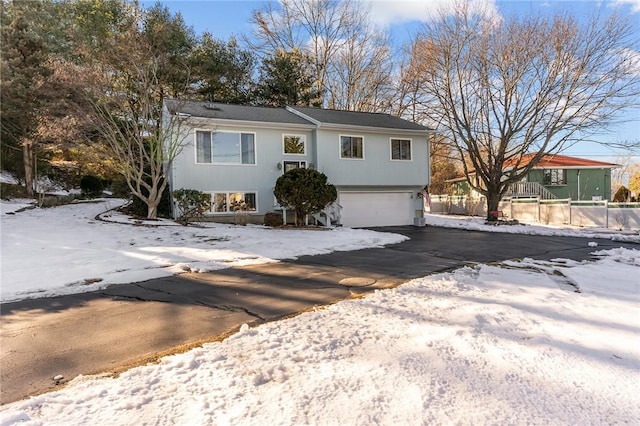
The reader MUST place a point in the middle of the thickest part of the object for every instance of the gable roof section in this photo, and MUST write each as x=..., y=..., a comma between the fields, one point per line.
x=357, y=119
x=306, y=116
x=558, y=161
x=221, y=111
x=555, y=161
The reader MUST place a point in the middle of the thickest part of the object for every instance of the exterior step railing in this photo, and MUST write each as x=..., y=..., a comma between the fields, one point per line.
x=529, y=190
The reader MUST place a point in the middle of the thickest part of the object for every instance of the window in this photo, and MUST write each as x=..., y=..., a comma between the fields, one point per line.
x=229, y=202
x=401, y=149
x=203, y=147
x=351, y=147
x=555, y=177
x=290, y=165
x=294, y=144
x=224, y=147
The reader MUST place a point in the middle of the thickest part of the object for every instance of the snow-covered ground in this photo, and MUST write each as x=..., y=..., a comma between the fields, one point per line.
x=475, y=223
x=63, y=250
x=504, y=344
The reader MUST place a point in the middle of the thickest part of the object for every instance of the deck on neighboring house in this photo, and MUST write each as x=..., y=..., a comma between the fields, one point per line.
x=529, y=190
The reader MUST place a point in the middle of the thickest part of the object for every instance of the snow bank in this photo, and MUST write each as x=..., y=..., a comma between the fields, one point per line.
x=506, y=344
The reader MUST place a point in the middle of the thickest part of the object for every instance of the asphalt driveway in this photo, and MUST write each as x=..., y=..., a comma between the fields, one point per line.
x=126, y=325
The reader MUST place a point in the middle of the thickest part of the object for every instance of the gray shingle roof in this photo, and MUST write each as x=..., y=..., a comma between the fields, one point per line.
x=352, y=118
x=283, y=115
x=235, y=112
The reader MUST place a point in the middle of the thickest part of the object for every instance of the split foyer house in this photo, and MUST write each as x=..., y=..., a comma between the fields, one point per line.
x=559, y=176
x=379, y=163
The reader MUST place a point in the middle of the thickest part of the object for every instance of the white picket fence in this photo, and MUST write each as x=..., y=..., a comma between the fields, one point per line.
x=602, y=214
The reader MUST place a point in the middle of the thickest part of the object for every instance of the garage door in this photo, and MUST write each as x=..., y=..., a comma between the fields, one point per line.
x=360, y=209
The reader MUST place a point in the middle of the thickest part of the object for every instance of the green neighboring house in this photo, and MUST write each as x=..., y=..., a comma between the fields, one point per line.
x=559, y=176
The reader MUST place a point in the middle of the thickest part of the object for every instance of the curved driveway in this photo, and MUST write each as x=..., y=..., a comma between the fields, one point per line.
x=130, y=324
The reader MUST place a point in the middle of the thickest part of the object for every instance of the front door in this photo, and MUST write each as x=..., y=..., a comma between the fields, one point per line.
x=290, y=165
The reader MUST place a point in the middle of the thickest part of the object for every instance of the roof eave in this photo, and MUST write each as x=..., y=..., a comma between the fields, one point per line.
x=560, y=166
x=373, y=129
x=250, y=123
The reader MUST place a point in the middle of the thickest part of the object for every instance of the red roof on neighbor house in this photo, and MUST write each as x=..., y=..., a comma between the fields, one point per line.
x=555, y=161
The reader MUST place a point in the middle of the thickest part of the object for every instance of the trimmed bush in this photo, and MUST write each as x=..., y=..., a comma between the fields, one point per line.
x=273, y=219
x=91, y=186
x=192, y=204
x=621, y=195
x=119, y=188
x=304, y=190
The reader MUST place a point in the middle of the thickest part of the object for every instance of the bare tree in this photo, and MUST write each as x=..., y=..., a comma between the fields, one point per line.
x=628, y=165
x=499, y=88
x=351, y=60
x=359, y=72
x=133, y=82
x=144, y=150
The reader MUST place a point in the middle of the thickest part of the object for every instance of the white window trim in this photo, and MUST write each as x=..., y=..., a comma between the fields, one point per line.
x=391, y=149
x=195, y=147
x=304, y=138
x=340, y=147
x=228, y=212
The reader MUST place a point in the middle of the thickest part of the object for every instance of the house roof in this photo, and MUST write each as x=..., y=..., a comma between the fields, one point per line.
x=234, y=112
x=558, y=161
x=360, y=119
x=553, y=161
x=291, y=115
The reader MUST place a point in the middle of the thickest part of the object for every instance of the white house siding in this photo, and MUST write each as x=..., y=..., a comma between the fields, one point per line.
x=259, y=178
x=377, y=168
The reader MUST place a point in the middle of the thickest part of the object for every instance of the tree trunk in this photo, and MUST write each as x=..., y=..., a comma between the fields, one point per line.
x=152, y=208
x=27, y=154
x=493, y=200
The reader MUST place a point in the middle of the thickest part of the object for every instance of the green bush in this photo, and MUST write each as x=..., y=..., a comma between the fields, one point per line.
x=273, y=219
x=622, y=195
x=191, y=204
x=8, y=191
x=119, y=187
x=91, y=186
x=304, y=190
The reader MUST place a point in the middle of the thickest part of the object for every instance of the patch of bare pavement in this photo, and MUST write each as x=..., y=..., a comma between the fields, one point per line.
x=47, y=342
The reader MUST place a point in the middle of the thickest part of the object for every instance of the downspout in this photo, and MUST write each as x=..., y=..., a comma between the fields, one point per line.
x=578, y=185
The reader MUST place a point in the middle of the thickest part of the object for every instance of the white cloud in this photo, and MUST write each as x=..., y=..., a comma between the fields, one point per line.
x=392, y=12
x=631, y=61
x=635, y=4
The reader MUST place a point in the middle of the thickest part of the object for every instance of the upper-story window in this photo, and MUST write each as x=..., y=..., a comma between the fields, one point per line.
x=351, y=147
x=401, y=149
x=294, y=144
x=225, y=147
x=555, y=177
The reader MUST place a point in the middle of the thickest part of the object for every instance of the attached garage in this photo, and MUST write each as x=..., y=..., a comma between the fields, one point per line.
x=364, y=209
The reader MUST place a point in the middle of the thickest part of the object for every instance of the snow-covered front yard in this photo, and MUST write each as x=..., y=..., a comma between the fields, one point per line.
x=526, y=342
x=64, y=250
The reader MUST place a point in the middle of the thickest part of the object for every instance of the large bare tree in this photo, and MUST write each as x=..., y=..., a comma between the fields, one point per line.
x=351, y=59
x=146, y=64
x=499, y=88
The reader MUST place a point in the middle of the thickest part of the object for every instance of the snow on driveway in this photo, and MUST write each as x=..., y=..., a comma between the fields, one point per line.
x=63, y=250
x=527, y=342
x=509, y=344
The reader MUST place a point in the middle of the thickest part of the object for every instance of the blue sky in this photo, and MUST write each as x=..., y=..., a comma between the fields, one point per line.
x=402, y=18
